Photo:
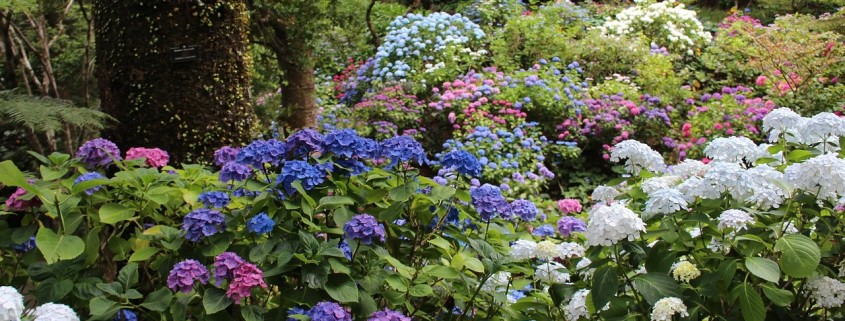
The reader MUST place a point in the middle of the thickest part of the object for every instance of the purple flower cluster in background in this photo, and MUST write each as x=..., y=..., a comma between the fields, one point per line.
x=98, y=152
x=364, y=228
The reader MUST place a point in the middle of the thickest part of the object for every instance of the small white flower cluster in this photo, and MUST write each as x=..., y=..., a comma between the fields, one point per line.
x=737, y=220
x=497, y=281
x=546, y=250
x=665, y=308
x=821, y=128
x=549, y=272
x=577, y=307
x=12, y=308
x=54, y=312
x=827, y=292
x=732, y=149
x=685, y=271
x=666, y=201
x=639, y=157
x=657, y=183
x=605, y=194
x=666, y=23
x=609, y=224
x=11, y=304
x=823, y=176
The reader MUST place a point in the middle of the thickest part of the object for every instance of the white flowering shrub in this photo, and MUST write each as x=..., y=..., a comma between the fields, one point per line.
x=756, y=233
x=665, y=23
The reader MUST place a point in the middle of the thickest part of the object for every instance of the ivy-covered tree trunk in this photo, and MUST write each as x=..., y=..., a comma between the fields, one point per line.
x=299, y=95
x=186, y=101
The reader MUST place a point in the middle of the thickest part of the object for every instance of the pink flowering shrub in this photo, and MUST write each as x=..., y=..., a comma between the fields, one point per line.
x=154, y=157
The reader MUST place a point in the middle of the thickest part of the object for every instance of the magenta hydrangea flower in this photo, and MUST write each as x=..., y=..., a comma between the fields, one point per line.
x=155, y=157
x=224, y=264
x=568, y=224
x=98, y=152
x=225, y=154
x=388, y=315
x=328, y=311
x=15, y=202
x=568, y=206
x=364, y=228
x=184, y=274
x=244, y=278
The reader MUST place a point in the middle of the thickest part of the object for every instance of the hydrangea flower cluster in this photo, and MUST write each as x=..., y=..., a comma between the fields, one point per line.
x=666, y=23
x=569, y=206
x=54, y=312
x=350, y=150
x=568, y=224
x=488, y=201
x=638, y=157
x=202, y=223
x=388, y=315
x=234, y=171
x=125, y=315
x=261, y=224
x=577, y=306
x=261, y=152
x=213, y=199
x=685, y=271
x=462, y=162
x=364, y=228
x=609, y=224
x=414, y=41
x=305, y=142
x=225, y=154
x=11, y=303
x=87, y=177
x=184, y=274
x=524, y=210
x=402, y=149
x=827, y=292
x=16, y=203
x=666, y=307
x=328, y=311
x=98, y=152
x=154, y=157
x=241, y=275
x=308, y=175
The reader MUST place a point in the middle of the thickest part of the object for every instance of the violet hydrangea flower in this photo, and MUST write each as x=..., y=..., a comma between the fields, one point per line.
x=244, y=278
x=524, y=209
x=16, y=203
x=295, y=311
x=261, y=224
x=402, y=149
x=202, y=223
x=214, y=199
x=224, y=264
x=328, y=311
x=233, y=171
x=26, y=246
x=98, y=152
x=388, y=315
x=364, y=228
x=125, y=315
x=488, y=201
x=345, y=143
x=308, y=175
x=462, y=161
x=184, y=274
x=304, y=142
x=225, y=154
x=568, y=224
x=154, y=157
x=544, y=230
x=262, y=152
x=88, y=177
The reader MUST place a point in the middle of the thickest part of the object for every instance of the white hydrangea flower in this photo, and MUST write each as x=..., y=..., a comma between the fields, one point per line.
x=568, y=250
x=731, y=178
x=827, y=292
x=689, y=168
x=523, y=249
x=496, y=281
x=607, y=225
x=735, y=219
x=577, y=306
x=665, y=201
x=698, y=187
x=657, y=183
x=604, y=193
x=779, y=121
x=694, y=232
x=823, y=176
x=685, y=271
x=718, y=246
x=11, y=304
x=769, y=190
x=639, y=157
x=54, y=312
x=763, y=150
x=548, y=272
x=732, y=149
x=582, y=269
x=546, y=250
x=665, y=308
x=821, y=127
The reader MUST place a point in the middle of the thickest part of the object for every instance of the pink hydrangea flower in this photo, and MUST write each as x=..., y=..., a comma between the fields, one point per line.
x=761, y=81
x=155, y=157
x=15, y=204
x=245, y=277
x=569, y=205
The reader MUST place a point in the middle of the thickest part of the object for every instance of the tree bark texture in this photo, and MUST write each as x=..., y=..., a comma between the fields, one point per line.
x=187, y=108
x=299, y=95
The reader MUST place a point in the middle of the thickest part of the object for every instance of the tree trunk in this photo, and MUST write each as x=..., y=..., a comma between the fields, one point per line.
x=9, y=75
x=164, y=98
x=299, y=95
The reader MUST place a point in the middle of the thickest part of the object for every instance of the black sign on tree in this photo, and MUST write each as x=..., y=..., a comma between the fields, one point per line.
x=185, y=53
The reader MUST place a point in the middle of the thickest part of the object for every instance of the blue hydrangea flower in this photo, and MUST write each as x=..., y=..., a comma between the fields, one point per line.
x=262, y=152
x=225, y=154
x=88, y=177
x=369, y=148
x=295, y=311
x=214, y=199
x=202, y=222
x=488, y=201
x=345, y=143
x=26, y=246
x=402, y=149
x=462, y=161
x=524, y=209
x=261, y=224
x=233, y=171
x=388, y=315
x=308, y=175
x=328, y=311
x=364, y=228
x=304, y=142
x=351, y=167
x=125, y=315
x=347, y=251
x=544, y=230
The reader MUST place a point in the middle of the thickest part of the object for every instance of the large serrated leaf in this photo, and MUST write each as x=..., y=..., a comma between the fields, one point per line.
x=799, y=255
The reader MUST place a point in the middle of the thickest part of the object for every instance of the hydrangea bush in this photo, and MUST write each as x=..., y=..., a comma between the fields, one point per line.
x=666, y=23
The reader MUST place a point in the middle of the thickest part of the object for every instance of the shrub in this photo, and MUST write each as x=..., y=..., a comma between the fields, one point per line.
x=664, y=23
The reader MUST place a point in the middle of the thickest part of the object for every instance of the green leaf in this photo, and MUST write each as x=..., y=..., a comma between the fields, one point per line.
x=392, y=212
x=48, y=174
x=128, y=276
x=799, y=255
x=605, y=285
x=56, y=247
x=779, y=297
x=143, y=254
x=335, y=201
x=443, y=272
x=655, y=286
x=214, y=300
x=92, y=246
x=763, y=268
x=420, y=290
x=298, y=186
x=158, y=300
x=750, y=302
x=442, y=193
x=102, y=308
x=341, y=287
x=251, y=313
x=404, y=192
x=218, y=245
x=113, y=213
x=10, y=175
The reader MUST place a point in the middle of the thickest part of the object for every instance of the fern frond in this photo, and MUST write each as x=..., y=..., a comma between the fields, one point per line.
x=42, y=114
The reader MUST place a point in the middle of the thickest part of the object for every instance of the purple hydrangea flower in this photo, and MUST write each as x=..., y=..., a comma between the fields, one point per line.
x=202, y=222
x=125, y=315
x=295, y=311
x=98, y=152
x=568, y=224
x=345, y=143
x=88, y=177
x=225, y=154
x=524, y=209
x=544, y=230
x=364, y=228
x=328, y=311
x=26, y=246
x=224, y=264
x=462, y=161
x=347, y=251
x=388, y=315
x=262, y=152
x=244, y=278
x=214, y=199
x=308, y=175
x=402, y=149
x=184, y=274
x=233, y=171
x=261, y=224
x=304, y=142
x=488, y=201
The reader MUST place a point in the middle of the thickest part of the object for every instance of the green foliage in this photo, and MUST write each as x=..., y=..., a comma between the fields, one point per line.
x=44, y=114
